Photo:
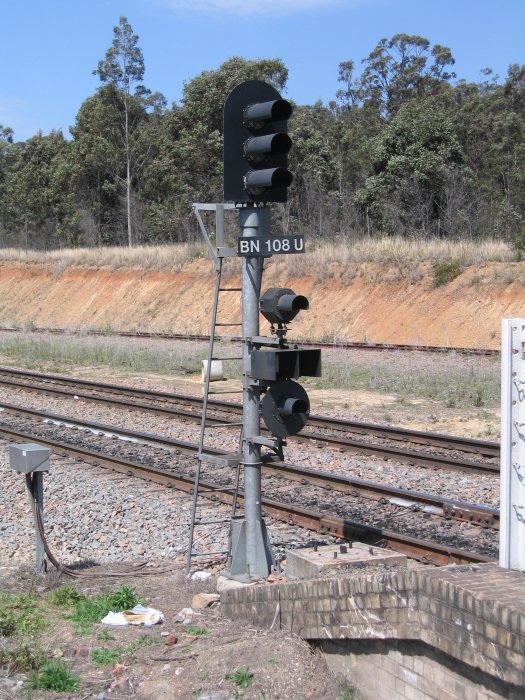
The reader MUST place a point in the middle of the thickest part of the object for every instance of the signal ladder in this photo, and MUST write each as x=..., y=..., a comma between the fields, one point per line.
x=204, y=454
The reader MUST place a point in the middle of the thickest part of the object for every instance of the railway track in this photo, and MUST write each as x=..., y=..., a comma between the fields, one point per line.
x=340, y=344
x=431, y=504
x=322, y=430
x=325, y=523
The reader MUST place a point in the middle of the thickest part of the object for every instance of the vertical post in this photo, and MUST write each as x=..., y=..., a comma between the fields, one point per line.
x=251, y=284
x=251, y=556
x=512, y=506
x=35, y=488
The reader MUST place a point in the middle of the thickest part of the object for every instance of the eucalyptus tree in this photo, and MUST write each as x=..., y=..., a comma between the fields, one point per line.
x=6, y=149
x=96, y=167
x=403, y=68
x=316, y=195
x=33, y=205
x=418, y=171
x=123, y=67
x=490, y=123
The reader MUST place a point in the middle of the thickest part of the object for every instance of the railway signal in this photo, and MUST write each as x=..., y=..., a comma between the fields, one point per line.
x=256, y=144
x=285, y=407
x=256, y=147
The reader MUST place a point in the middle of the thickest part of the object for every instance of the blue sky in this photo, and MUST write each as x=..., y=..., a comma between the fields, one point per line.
x=48, y=48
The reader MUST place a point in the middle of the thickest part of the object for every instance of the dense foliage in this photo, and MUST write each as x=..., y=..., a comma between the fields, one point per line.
x=405, y=148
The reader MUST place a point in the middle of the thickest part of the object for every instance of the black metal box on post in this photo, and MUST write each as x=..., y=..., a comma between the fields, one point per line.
x=274, y=365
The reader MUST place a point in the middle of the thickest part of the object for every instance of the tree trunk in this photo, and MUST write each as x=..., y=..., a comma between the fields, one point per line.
x=128, y=172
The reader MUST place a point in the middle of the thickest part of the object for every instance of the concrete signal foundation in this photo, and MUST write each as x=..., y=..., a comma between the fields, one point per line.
x=335, y=559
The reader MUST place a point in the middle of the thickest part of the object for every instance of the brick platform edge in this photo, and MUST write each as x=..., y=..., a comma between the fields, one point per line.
x=443, y=633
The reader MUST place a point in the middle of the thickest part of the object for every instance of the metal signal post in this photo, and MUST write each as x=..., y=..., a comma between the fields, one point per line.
x=251, y=555
x=256, y=146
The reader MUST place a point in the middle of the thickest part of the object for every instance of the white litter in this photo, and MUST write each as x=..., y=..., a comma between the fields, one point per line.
x=139, y=615
x=201, y=576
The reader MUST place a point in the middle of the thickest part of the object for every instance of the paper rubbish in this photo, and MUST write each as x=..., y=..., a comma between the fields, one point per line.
x=139, y=615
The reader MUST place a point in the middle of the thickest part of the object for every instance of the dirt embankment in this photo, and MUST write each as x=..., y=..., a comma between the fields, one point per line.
x=368, y=303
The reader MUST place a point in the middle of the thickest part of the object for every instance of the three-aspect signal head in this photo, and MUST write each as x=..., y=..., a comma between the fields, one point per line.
x=256, y=144
x=281, y=305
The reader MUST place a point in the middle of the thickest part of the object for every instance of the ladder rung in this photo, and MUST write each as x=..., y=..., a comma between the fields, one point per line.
x=227, y=391
x=209, y=554
x=228, y=460
x=228, y=324
x=223, y=425
x=212, y=522
x=230, y=289
x=224, y=359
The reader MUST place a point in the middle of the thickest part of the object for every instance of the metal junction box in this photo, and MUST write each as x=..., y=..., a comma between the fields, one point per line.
x=275, y=365
x=28, y=457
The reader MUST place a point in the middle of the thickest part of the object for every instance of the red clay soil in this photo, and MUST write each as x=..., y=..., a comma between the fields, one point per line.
x=369, y=303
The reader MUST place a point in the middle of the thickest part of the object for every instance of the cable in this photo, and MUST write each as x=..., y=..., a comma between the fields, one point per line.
x=135, y=571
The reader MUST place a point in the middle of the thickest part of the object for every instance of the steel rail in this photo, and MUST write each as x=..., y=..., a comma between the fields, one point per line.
x=448, y=508
x=411, y=457
x=485, y=447
x=342, y=344
x=423, y=550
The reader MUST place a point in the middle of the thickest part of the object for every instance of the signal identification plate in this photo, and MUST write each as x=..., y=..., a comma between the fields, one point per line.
x=265, y=246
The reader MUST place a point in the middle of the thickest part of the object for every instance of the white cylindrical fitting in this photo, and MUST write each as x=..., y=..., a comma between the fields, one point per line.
x=216, y=370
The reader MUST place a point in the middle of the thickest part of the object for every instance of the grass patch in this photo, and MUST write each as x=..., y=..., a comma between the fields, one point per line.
x=346, y=691
x=88, y=611
x=406, y=254
x=91, y=610
x=446, y=272
x=55, y=675
x=24, y=656
x=105, y=636
x=42, y=352
x=104, y=656
x=391, y=249
x=158, y=257
x=197, y=631
x=20, y=615
x=454, y=384
x=242, y=677
x=66, y=596
x=132, y=646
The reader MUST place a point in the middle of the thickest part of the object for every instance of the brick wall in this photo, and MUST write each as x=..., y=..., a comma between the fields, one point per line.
x=473, y=616
x=410, y=670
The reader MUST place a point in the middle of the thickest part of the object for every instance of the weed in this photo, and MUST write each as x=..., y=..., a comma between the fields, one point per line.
x=346, y=691
x=478, y=399
x=274, y=662
x=21, y=615
x=446, y=272
x=55, y=675
x=103, y=656
x=91, y=610
x=66, y=596
x=27, y=656
x=242, y=677
x=105, y=636
x=141, y=642
x=197, y=631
